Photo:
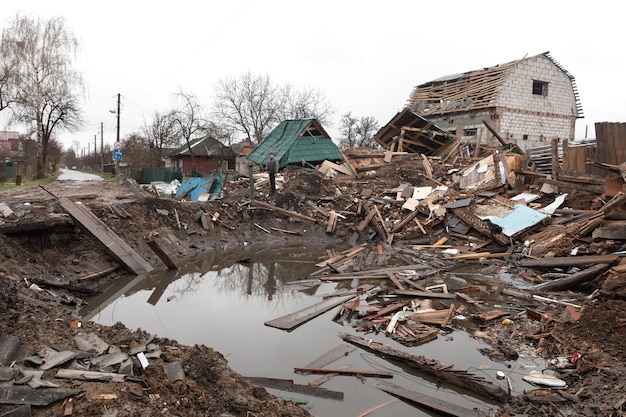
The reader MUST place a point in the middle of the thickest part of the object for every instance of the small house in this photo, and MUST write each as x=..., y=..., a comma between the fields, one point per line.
x=529, y=102
x=202, y=156
x=9, y=141
x=242, y=149
x=301, y=142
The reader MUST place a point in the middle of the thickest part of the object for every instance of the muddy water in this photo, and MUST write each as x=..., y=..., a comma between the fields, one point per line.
x=224, y=299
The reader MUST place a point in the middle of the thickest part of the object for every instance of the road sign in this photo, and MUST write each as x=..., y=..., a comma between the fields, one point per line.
x=117, y=154
x=117, y=145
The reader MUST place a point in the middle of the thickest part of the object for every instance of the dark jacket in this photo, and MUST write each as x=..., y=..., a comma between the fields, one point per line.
x=272, y=166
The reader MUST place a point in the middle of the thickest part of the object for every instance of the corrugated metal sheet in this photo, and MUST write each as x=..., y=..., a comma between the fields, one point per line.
x=292, y=142
x=153, y=174
x=10, y=170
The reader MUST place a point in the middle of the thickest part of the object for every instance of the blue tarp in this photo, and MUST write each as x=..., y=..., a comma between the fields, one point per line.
x=191, y=188
x=521, y=218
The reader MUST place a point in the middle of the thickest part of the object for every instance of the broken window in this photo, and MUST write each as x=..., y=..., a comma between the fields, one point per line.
x=540, y=88
x=470, y=132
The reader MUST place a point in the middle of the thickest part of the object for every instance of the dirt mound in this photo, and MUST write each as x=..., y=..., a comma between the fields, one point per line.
x=42, y=319
x=305, y=182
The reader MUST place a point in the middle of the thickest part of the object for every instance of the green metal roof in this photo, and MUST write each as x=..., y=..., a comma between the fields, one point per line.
x=293, y=141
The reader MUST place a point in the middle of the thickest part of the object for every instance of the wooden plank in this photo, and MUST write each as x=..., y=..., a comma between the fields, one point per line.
x=424, y=294
x=479, y=255
x=332, y=223
x=439, y=317
x=331, y=356
x=178, y=224
x=316, y=208
x=431, y=403
x=361, y=226
x=291, y=321
x=96, y=275
x=596, y=189
x=164, y=256
x=579, y=277
x=391, y=308
x=113, y=244
x=353, y=372
x=381, y=220
x=289, y=232
x=207, y=222
x=395, y=280
x=380, y=231
x=289, y=213
x=288, y=385
x=121, y=211
x=557, y=262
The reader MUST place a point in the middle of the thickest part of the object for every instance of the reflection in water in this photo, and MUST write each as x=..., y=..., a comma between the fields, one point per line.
x=255, y=270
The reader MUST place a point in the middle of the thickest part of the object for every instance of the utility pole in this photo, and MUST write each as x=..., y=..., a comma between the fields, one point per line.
x=102, y=147
x=117, y=143
x=118, y=116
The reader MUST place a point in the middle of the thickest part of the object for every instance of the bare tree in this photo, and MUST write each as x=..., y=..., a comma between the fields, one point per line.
x=347, y=130
x=188, y=120
x=303, y=104
x=161, y=132
x=254, y=104
x=46, y=85
x=247, y=104
x=7, y=75
x=366, y=129
x=357, y=132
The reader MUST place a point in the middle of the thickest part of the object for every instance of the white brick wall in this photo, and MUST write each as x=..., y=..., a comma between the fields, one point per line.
x=516, y=92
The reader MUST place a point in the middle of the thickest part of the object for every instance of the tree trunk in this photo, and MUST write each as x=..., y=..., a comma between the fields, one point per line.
x=40, y=162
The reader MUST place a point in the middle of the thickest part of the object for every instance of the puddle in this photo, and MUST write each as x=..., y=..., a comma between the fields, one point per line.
x=223, y=300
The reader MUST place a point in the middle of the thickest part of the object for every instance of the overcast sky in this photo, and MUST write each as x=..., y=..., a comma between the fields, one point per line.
x=365, y=56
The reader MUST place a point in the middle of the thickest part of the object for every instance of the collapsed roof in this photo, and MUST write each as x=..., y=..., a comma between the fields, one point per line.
x=409, y=132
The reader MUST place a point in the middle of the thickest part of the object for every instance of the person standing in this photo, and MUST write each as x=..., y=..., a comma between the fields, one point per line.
x=272, y=169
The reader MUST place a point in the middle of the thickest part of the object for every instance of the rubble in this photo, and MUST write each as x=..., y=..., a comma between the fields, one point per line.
x=550, y=243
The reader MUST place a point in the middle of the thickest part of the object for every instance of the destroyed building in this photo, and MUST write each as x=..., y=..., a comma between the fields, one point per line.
x=296, y=142
x=529, y=101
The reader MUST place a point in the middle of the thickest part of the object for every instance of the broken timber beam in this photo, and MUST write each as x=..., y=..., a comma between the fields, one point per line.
x=318, y=209
x=290, y=386
x=495, y=133
x=100, y=232
x=293, y=320
x=614, y=204
x=579, y=277
x=445, y=372
x=156, y=248
x=595, y=189
x=368, y=218
x=557, y=262
x=378, y=227
x=332, y=223
x=289, y=213
x=426, y=401
x=355, y=372
x=97, y=275
x=398, y=227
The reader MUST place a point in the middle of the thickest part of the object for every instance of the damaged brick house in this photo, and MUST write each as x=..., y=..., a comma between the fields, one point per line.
x=529, y=101
x=201, y=156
